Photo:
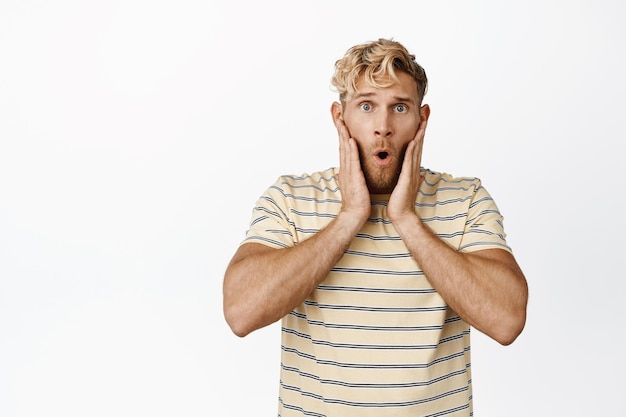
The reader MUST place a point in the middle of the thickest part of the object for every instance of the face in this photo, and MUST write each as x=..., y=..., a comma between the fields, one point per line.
x=382, y=121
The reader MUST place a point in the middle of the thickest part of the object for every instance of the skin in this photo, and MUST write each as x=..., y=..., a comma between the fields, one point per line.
x=486, y=288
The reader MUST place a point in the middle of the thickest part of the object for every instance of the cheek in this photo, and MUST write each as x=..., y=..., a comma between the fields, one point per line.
x=410, y=129
x=357, y=127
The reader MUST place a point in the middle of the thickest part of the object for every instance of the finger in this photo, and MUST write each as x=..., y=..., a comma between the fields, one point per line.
x=408, y=162
x=417, y=158
x=411, y=165
x=349, y=150
x=421, y=130
x=342, y=129
x=344, y=151
x=355, y=163
x=419, y=142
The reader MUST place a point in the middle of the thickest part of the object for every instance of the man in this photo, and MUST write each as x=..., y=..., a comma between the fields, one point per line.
x=377, y=269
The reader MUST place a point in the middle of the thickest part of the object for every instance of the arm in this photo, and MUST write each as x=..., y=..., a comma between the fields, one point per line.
x=486, y=288
x=262, y=284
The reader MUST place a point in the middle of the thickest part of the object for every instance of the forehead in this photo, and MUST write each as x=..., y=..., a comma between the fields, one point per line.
x=405, y=88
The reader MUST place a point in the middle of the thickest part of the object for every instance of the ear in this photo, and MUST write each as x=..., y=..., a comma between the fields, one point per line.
x=336, y=111
x=425, y=112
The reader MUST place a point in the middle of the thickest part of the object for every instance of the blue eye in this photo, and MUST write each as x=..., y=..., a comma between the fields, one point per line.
x=366, y=107
x=401, y=108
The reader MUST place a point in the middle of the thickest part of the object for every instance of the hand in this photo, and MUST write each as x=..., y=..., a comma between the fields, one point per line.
x=355, y=195
x=402, y=199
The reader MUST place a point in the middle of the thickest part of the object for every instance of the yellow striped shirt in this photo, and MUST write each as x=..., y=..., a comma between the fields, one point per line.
x=374, y=338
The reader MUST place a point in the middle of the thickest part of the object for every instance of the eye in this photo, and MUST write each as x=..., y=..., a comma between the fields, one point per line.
x=366, y=106
x=401, y=108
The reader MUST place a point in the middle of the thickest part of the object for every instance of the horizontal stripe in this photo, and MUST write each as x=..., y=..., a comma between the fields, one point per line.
x=369, y=385
x=372, y=365
x=377, y=290
x=374, y=404
x=403, y=309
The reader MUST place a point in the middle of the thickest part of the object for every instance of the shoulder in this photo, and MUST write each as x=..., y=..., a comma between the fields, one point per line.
x=320, y=181
x=446, y=182
x=295, y=190
x=318, y=177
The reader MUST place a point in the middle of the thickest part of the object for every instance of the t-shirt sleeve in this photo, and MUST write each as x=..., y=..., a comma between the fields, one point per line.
x=270, y=224
x=484, y=227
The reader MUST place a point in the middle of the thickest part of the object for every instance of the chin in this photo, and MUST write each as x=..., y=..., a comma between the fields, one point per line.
x=381, y=184
x=381, y=181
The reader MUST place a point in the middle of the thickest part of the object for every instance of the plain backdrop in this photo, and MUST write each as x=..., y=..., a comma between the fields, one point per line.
x=136, y=135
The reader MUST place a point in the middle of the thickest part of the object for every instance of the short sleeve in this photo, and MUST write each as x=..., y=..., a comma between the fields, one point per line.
x=269, y=224
x=484, y=226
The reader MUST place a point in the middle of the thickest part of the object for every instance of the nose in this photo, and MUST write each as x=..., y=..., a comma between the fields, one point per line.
x=383, y=127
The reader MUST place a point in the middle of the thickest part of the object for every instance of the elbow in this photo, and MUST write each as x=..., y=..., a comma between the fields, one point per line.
x=238, y=328
x=237, y=323
x=507, y=338
x=514, y=321
x=239, y=331
x=512, y=329
x=236, y=311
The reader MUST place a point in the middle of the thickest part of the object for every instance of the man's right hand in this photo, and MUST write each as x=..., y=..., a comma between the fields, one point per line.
x=355, y=196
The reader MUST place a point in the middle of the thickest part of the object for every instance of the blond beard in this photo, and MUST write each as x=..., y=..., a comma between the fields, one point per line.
x=381, y=181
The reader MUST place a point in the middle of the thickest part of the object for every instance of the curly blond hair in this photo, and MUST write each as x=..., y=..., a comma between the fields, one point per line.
x=378, y=60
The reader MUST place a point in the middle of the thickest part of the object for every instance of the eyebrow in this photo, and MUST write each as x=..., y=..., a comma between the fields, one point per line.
x=396, y=98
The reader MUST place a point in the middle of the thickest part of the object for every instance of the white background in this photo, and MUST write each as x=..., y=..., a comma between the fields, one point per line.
x=135, y=137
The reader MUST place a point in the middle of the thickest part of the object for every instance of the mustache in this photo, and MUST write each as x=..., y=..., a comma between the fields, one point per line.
x=363, y=154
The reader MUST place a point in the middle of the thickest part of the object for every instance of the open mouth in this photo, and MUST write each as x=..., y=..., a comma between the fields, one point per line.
x=382, y=158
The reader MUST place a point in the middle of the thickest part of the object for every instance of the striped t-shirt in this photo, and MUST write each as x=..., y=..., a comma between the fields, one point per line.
x=374, y=338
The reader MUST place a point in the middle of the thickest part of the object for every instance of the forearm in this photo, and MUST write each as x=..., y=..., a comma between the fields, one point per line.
x=486, y=288
x=262, y=285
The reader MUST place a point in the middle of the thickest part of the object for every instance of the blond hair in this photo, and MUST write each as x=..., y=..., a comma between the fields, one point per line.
x=378, y=60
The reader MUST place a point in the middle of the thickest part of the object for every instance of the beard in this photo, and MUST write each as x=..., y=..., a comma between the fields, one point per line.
x=381, y=180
